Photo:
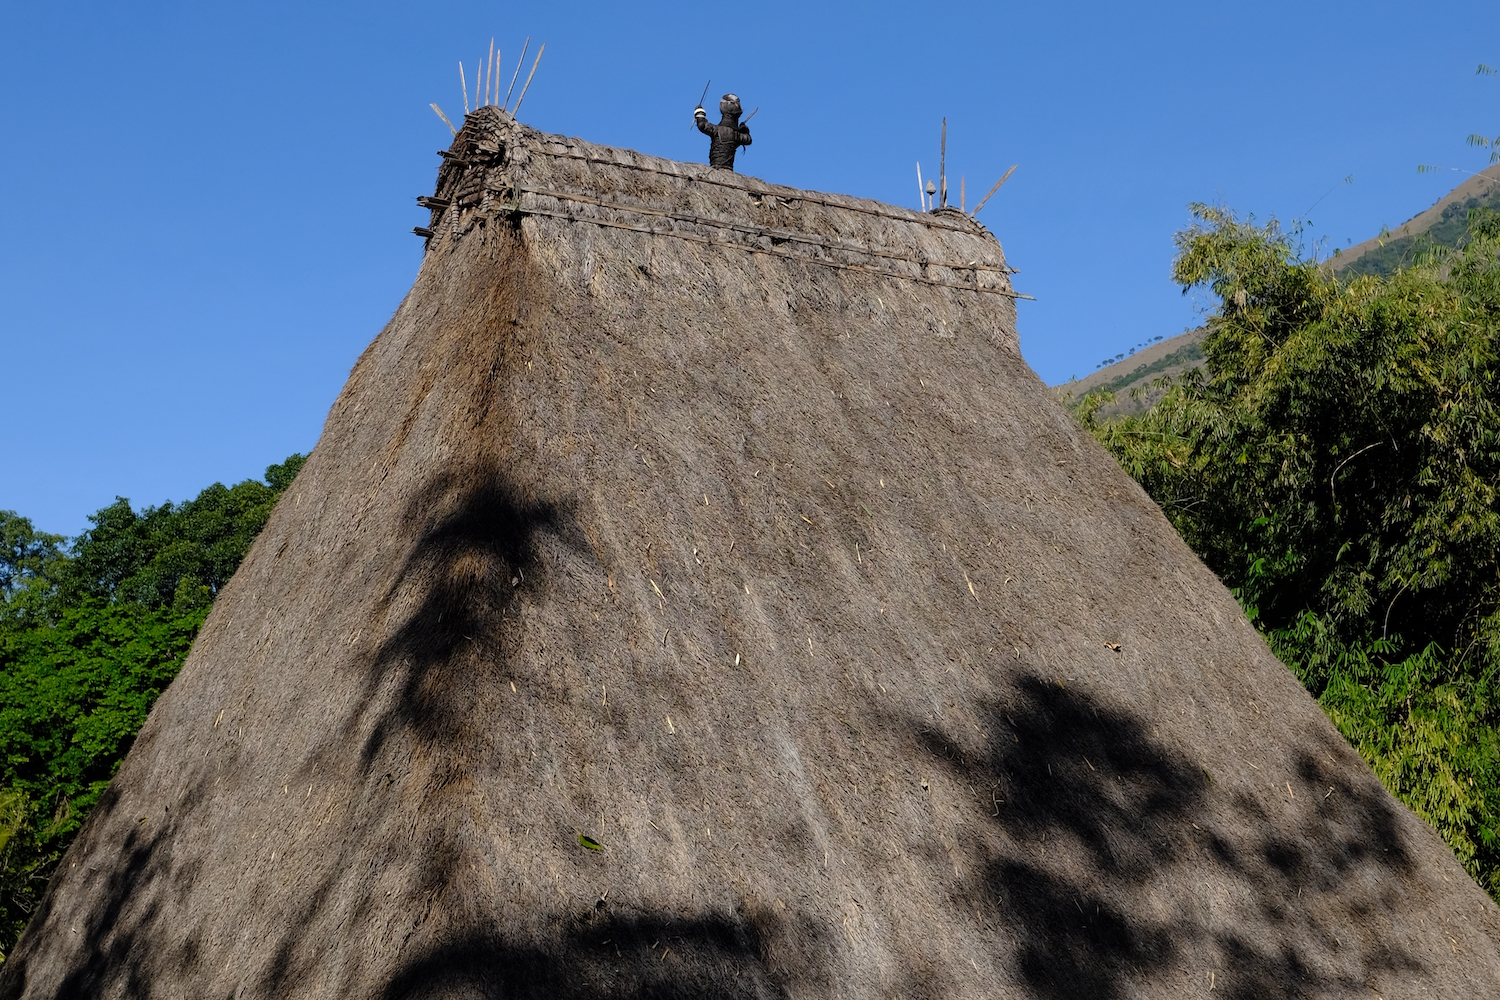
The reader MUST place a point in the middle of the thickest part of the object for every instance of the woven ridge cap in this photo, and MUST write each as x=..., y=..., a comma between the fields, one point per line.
x=535, y=141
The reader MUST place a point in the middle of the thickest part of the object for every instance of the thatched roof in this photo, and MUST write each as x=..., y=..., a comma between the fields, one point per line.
x=724, y=524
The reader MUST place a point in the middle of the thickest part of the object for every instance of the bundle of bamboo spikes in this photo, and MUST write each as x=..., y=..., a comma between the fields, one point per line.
x=487, y=86
x=939, y=191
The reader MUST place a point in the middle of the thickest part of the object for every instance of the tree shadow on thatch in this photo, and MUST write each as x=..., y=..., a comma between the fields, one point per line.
x=1108, y=823
x=115, y=953
x=480, y=551
x=481, y=547
x=630, y=957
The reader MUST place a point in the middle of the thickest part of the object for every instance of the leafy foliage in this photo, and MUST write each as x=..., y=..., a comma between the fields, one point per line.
x=1485, y=142
x=1336, y=462
x=89, y=637
x=170, y=554
x=25, y=554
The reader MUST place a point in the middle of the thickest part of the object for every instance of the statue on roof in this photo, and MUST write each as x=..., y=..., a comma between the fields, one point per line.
x=725, y=138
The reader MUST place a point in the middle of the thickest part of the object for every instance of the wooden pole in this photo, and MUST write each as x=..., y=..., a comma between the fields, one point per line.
x=517, y=73
x=464, y=84
x=489, y=79
x=921, y=191
x=444, y=117
x=529, y=76
x=993, y=190
x=943, y=168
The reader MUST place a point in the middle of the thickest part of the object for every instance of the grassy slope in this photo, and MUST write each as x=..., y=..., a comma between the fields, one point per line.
x=1443, y=223
x=1169, y=357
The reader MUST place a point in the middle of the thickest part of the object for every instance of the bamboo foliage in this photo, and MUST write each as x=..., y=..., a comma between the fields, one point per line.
x=1336, y=464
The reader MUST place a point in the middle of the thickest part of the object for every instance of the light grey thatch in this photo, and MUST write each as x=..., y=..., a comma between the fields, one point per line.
x=751, y=549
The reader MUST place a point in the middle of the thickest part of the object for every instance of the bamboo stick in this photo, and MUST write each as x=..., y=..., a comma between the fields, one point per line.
x=464, y=85
x=943, y=167
x=529, y=76
x=993, y=189
x=519, y=63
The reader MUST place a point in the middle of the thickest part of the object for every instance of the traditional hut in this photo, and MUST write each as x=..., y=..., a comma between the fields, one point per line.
x=693, y=593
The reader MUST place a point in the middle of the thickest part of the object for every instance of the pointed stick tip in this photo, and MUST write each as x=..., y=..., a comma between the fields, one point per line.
x=527, y=86
x=1002, y=180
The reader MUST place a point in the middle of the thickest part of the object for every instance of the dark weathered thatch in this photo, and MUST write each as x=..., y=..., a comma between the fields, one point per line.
x=723, y=524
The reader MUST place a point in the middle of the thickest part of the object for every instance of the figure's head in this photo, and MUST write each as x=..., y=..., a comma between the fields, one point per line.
x=729, y=104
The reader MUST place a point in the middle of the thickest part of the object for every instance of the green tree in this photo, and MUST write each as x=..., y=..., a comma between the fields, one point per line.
x=171, y=553
x=1336, y=462
x=73, y=694
x=90, y=635
x=28, y=557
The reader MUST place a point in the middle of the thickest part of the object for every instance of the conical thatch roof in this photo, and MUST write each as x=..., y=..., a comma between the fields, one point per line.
x=724, y=524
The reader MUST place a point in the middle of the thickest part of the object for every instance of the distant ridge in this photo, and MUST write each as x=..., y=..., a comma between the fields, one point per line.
x=1172, y=356
x=1443, y=224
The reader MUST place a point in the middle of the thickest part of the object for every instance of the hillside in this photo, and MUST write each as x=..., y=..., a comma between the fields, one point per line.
x=1443, y=224
x=1167, y=357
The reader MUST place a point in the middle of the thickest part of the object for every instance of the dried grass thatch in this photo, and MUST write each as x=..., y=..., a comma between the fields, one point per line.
x=723, y=524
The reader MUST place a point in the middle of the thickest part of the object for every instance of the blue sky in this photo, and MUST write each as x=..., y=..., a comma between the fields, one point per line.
x=205, y=210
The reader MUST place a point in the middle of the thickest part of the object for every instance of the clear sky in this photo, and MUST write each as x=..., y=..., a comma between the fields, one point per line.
x=205, y=209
